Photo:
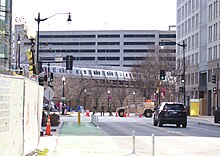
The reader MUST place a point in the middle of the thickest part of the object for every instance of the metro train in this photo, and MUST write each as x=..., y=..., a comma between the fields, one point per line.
x=91, y=73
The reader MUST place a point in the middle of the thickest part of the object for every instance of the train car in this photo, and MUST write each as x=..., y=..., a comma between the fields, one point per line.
x=97, y=74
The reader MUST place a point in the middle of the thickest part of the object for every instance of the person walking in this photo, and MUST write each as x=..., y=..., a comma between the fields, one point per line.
x=94, y=109
x=102, y=109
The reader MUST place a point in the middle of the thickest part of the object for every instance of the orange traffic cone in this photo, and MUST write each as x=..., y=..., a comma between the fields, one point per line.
x=140, y=115
x=48, y=130
x=116, y=115
x=87, y=113
x=124, y=114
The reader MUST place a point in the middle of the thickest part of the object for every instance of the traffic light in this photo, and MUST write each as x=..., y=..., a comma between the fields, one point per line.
x=162, y=74
x=40, y=68
x=213, y=78
x=214, y=90
x=45, y=77
x=51, y=76
x=41, y=81
x=69, y=62
x=182, y=78
x=181, y=89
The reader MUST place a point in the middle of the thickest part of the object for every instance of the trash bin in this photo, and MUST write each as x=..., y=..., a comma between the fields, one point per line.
x=217, y=116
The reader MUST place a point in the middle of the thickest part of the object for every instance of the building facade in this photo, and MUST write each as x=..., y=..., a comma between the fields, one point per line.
x=118, y=48
x=198, y=26
x=5, y=34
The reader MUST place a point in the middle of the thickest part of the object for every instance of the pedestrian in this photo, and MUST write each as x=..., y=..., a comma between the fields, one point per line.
x=94, y=109
x=102, y=109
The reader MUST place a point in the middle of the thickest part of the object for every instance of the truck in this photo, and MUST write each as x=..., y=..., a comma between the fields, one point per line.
x=144, y=108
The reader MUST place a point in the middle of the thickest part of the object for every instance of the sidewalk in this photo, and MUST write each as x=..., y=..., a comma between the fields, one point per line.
x=91, y=140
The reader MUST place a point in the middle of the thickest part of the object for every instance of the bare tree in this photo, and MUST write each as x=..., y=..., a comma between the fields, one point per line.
x=121, y=94
x=149, y=70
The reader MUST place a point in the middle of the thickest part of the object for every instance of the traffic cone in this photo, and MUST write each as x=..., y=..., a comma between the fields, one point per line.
x=140, y=115
x=128, y=115
x=87, y=113
x=125, y=114
x=116, y=115
x=48, y=129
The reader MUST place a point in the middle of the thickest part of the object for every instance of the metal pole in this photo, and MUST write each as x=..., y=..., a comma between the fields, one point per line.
x=19, y=49
x=63, y=100
x=38, y=35
x=184, y=72
x=217, y=85
x=133, y=139
x=153, y=147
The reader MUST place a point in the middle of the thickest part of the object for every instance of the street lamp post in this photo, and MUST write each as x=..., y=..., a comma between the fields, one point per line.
x=184, y=71
x=85, y=99
x=183, y=77
x=109, y=105
x=19, y=51
x=63, y=96
x=38, y=19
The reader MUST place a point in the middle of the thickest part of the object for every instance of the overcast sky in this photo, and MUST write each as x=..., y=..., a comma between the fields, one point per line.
x=97, y=14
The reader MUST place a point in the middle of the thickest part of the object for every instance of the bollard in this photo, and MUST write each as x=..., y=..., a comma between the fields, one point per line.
x=133, y=139
x=153, y=145
x=78, y=118
x=96, y=120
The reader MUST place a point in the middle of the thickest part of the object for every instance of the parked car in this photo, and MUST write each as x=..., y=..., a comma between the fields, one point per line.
x=170, y=113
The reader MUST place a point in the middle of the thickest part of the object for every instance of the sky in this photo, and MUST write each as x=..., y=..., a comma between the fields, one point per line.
x=96, y=14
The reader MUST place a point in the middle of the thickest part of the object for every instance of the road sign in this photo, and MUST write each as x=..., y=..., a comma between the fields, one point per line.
x=49, y=93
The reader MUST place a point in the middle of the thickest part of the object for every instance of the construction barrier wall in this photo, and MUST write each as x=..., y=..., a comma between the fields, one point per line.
x=21, y=101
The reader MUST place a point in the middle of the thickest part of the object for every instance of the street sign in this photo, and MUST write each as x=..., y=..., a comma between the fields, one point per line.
x=49, y=93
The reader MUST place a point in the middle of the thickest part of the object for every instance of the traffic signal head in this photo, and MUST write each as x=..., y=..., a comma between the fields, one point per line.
x=214, y=90
x=181, y=89
x=69, y=62
x=51, y=76
x=213, y=78
x=182, y=78
x=162, y=74
x=41, y=81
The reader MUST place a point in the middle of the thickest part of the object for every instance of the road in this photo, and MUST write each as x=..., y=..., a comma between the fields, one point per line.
x=144, y=127
x=114, y=135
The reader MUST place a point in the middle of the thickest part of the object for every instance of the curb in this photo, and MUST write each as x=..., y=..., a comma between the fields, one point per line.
x=208, y=124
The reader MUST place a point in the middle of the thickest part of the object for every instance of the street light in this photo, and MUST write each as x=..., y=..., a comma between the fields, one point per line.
x=183, y=77
x=109, y=105
x=85, y=99
x=38, y=19
x=19, y=51
x=184, y=71
x=134, y=96
x=63, y=96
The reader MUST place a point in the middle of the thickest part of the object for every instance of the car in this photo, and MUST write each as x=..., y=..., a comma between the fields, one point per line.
x=170, y=113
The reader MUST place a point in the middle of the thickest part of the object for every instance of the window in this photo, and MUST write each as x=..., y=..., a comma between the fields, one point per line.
x=215, y=35
x=210, y=34
x=210, y=54
x=139, y=35
x=197, y=58
x=167, y=35
x=192, y=78
x=209, y=75
x=109, y=36
x=210, y=12
x=215, y=52
x=108, y=43
x=196, y=77
x=139, y=43
x=193, y=62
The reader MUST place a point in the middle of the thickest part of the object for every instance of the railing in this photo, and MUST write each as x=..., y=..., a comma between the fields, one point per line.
x=94, y=120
